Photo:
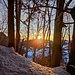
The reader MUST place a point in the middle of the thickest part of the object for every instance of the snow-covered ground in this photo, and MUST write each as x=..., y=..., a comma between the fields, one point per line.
x=65, y=53
x=12, y=63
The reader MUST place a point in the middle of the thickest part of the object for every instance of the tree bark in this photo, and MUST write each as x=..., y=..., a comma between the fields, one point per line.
x=11, y=23
x=28, y=27
x=18, y=12
x=72, y=51
x=44, y=35
x=57, y=50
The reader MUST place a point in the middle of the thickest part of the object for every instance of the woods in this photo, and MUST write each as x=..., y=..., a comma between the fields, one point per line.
x=42, y=25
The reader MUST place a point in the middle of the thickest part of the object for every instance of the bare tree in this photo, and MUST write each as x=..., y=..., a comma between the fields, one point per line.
x=56, y=54
x=57, y=50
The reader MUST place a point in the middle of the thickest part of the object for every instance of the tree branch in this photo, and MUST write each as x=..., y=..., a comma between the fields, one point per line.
x=67, y=4
x=69, y=23
x=15, y=16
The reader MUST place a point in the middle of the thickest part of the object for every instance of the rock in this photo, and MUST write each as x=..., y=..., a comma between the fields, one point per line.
x=3, y=39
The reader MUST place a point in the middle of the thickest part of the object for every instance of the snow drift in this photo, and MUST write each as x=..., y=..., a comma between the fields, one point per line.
x=12, y=63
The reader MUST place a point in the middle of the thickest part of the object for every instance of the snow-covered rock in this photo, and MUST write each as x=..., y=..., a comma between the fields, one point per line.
x=3, y=39
x=11, y=63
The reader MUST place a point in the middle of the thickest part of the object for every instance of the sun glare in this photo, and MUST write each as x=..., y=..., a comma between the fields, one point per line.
x=39, y=37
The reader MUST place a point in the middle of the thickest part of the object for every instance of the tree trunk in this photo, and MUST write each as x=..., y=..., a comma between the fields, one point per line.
x=72, y=53
x=71, y=64
x=34, y=55
x=28, y=27
x=11, y=23
x=44, y=35
x=49, y=31
x=18, y=12
x=20, y=49
x=57, y=50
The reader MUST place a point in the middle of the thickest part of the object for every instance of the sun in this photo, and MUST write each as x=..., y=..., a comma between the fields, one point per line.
x=39, y=37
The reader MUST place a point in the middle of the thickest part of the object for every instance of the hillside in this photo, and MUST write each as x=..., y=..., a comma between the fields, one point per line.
x=12, y=63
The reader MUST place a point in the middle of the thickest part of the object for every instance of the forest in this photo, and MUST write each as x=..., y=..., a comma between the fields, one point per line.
x=41, y=31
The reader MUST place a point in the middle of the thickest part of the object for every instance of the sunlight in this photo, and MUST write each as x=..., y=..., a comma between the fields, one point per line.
x=51, y=37
x=39, y=37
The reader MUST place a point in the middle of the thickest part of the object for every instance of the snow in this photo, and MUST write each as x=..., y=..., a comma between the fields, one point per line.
x=46, y=52
x=30, y=53
x=65, y=52
x=65, y=46
x=38, y=52
x=11, y=63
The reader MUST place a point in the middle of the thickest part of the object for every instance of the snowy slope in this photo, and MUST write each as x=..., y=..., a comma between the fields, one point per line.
x=12, y=63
